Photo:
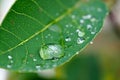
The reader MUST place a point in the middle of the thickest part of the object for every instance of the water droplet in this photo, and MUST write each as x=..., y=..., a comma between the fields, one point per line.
x=37, y=38
x=67, y=39
x=34, y=59
x=9, y=66
x=55, y=28
x=71, y=33
x=9, y=57
x=67, y=25
x=71, y=25
x=80, y=40
x=93, y=32
x=80, y=33
x=11, y=61
x=93, y=20
x=73, y=16
x=99, y=9
x=81, y=21
x=54, y=65
x=46, y=36
x=91, y=42
x=87, y=16
x=51, y=51
x=69, y=55
x=89, y=26
x=37, y=67
x=77, y=52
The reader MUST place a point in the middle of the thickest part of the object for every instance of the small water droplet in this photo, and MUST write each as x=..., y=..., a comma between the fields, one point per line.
x=67, y=39
x=77, y=52
x=37, y=38
x=73, y=16
x=54, y=65
x=99, y=9
x=71, y=25
x=89, y=26
x=37, y=67
x=93, y=32
x=71, y=33
x=49, y=34
x=9, y=66
x=11, y=61
x=55, y=28
x=80, y=33
x=67, y=25
x=69, y=55
x=9, y=57
x=87, y=16
x=81, y=21
x=91, y=42
x=51, y=51
x=80, y=40
x=93, y=20
x=34, y=59
x=46, y=36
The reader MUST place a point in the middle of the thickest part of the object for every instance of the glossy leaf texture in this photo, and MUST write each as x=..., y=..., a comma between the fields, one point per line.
x=42, y=34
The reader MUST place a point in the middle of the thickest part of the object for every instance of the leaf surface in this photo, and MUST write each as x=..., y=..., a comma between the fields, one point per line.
x=42, y=34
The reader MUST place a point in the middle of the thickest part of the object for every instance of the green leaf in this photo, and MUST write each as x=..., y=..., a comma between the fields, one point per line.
x=42, y=34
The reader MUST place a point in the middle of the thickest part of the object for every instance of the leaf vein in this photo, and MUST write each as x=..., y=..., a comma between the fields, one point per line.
x=28, y=16
x=42, y=9
x=11, y=33
x=46, y=27
x=5, y=43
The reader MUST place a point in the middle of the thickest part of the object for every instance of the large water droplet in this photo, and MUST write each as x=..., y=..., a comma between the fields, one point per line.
x=51, y=51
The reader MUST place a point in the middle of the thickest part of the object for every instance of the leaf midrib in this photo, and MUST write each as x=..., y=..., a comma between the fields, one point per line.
x=70, y=10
